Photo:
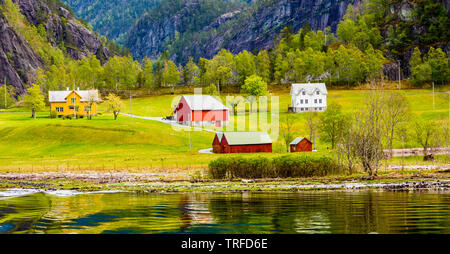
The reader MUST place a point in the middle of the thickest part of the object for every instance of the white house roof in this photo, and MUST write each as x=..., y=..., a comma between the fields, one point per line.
x=247, y=138
x=309, y=88
x=204, y=102
x=60, y=96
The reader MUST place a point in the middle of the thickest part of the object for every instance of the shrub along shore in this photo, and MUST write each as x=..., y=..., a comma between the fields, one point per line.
x=280, y=167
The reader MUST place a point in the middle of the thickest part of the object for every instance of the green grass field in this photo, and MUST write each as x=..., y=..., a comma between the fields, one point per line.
x=134, y=144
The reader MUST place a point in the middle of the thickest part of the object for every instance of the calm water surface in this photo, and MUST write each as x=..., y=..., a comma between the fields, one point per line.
x=304, y=212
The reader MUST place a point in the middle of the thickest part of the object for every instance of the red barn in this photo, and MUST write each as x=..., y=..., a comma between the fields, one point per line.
x=201, y=110
x=242, y=142
x=301, y=144
x=216, y=143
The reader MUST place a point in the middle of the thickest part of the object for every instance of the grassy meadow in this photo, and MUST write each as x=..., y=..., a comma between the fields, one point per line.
x=135, y=145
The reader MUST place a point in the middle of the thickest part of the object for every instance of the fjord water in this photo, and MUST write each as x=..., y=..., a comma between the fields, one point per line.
x=301, y=212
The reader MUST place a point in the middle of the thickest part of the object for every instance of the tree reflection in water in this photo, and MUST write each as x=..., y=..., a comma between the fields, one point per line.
x=301, y=212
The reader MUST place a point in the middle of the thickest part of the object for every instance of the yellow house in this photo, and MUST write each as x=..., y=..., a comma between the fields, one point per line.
x=74, y=102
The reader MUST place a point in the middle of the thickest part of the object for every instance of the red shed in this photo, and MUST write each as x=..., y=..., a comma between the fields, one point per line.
x=201, y=110
x=243, y=142
x=301, y=144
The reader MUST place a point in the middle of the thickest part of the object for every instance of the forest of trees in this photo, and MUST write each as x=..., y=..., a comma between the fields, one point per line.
x=115, y=20
x=354, y=55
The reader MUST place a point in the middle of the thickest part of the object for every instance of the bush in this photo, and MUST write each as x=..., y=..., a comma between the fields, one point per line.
x=283, y=167
x=218, y=168
x=53, y=114
x=67, y=117
x=80, y=115
x=302, y=166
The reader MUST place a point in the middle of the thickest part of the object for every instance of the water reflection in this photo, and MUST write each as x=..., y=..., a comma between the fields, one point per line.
x=304, y=212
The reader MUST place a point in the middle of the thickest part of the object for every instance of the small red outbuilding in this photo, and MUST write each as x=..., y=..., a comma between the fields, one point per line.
x=301, y=144
x=201, y=110
x=242, y=142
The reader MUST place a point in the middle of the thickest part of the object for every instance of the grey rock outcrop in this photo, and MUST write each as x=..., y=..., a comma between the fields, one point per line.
x=255, y=28
x=61, y=26
x=18, y=61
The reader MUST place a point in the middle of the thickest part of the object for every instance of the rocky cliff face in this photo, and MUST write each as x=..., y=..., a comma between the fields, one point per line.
x=253, y=28
x=260, y=31
x=62, y=26
x=18, y=61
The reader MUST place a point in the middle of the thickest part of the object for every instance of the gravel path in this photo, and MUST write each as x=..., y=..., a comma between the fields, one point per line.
x=209, y=150
x=418, y=151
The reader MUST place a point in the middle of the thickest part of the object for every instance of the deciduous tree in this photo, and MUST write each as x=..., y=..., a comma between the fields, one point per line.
x=332, y=123
x=114, y=104
x=34, y=100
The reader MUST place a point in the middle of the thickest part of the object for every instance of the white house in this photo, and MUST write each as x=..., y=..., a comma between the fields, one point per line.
x=309, y=97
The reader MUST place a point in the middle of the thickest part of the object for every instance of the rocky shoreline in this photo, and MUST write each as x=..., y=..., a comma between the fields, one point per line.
x=154, y=182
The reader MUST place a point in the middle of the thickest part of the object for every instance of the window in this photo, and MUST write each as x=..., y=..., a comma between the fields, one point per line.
x=72, y=100
x=306, y=101
x=320, y=108
x=320, y=100
x=301, y=109
x=303, y=93
x=301, y=101
x=315, y=100
x=317, y=92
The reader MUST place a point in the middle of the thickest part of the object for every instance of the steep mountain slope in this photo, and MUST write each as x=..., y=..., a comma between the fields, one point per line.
x=111, y=18
x=175, y=23
x=49, y=22
x=249, y=28
x=62, y=28
x=17, y=59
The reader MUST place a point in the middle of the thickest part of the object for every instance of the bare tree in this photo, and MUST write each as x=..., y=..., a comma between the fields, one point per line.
x=367, y=141
x=403, y=136
x=445, y=135
x=426, y=134
x=91, y=99
x=346, y=146
x=312, y=121
x=286, y=130
x=396, y=111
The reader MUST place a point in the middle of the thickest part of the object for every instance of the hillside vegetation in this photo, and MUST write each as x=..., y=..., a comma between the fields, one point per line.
x=39, y=34
x=136, y=144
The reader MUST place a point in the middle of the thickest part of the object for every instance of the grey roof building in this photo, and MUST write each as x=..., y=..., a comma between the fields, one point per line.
x=60, y=96
x=309, y=97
